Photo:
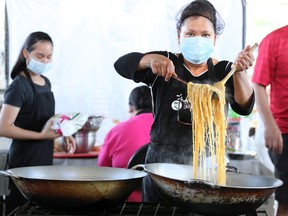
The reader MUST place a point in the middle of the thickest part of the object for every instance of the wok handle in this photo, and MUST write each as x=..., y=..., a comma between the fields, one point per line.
x=139, y=167
x=9, y=174
x=232, y=169
x=202, y=183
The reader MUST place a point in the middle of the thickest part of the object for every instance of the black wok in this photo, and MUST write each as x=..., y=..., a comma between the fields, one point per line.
x=243, y=193
x=75, y=187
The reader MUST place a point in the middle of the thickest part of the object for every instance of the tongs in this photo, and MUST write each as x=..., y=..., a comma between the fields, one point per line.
x=180, y=80
x=220, y=84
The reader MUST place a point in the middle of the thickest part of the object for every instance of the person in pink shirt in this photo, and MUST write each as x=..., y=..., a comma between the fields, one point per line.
x=123, y=140
x=271, y=69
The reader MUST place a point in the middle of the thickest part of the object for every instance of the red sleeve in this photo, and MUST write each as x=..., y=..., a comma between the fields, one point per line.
x=264, y=69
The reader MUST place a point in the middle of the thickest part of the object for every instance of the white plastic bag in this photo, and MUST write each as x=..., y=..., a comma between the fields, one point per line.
x=69, y=123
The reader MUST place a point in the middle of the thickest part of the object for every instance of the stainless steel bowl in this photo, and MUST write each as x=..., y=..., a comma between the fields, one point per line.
x=86, y=137
x=85, y=141
x=93, y=123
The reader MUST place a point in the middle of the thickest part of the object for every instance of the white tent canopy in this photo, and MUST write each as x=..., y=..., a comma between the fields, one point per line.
x=89, y=36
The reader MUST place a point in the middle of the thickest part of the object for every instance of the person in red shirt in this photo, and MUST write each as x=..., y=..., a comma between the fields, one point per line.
x=271, y=69
x=123, y=140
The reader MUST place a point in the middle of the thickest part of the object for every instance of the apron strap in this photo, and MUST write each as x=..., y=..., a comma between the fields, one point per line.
x=29, y=78
x=211, y=70
x=7, y=160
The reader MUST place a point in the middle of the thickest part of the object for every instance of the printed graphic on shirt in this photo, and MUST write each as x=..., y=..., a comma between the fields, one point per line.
x=182, y=106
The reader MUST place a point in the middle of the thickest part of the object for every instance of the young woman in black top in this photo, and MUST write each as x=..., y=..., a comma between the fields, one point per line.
x=28, y=105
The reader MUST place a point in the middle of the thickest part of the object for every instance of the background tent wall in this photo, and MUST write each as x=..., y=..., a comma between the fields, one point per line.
x=90, y=37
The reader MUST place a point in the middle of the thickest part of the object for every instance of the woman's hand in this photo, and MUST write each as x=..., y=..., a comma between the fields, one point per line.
x=160, y=65
x=243, y=90
x=244, y=59
x=273, y=138
x=69, y=144
x=47, y=131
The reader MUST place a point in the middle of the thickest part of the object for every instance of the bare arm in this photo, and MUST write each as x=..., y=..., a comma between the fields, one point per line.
x=243, y=89
x=8, y=129
x=272, y=133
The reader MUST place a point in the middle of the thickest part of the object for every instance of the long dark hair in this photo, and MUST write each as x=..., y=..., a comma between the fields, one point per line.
x=29, y=45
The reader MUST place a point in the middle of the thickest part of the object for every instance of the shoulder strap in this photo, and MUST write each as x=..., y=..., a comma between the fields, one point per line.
x=211, y=70
x=29, y=78
x=47, y=81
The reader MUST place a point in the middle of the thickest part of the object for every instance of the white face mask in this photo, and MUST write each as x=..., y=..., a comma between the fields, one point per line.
x=196, y=49
x=39, y=67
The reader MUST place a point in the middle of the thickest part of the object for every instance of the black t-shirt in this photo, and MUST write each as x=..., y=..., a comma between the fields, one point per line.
x=20, y=94
x=36, y=105
x=169, y=134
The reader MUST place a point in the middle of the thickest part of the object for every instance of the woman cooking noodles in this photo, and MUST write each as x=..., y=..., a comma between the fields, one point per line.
x=28, y=105
x=198, y=25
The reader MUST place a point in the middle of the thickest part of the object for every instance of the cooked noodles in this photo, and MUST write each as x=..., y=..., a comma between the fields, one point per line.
x=208, y=131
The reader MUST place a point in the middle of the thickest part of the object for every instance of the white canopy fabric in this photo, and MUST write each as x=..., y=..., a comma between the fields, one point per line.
x=89, y=36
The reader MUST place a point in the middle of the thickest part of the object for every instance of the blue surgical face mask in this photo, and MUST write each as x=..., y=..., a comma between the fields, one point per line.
x=196, y=49
x=39, y=67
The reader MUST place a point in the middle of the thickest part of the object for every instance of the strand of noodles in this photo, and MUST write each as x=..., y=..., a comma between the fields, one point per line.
x=220, y=121
x=208, y=127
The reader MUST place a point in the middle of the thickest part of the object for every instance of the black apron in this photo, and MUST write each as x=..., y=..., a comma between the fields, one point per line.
x=24, y=153
x=34, y=152
x=175, y=153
